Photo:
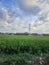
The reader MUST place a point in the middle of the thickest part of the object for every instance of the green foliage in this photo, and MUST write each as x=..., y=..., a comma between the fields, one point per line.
x=13, y=44
x=15, y=59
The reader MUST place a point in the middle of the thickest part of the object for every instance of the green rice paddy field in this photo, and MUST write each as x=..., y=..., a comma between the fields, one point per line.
x=21, y=46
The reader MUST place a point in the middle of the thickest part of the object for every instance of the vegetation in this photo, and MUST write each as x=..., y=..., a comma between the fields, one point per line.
x=21, y=48
x=20, y=44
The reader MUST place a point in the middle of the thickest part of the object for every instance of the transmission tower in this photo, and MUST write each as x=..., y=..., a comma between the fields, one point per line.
x=29, y=28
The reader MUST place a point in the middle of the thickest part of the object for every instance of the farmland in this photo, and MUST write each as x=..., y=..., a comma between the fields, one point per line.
x=15, y=46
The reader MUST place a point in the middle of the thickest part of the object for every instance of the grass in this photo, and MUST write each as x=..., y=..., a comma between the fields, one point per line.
x=21, y=44
x=20, y=48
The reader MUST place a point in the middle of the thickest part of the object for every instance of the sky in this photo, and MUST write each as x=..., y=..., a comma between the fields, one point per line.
x=16, y=15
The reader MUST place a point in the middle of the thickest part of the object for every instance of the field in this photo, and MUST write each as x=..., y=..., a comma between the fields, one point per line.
x=20, y=44
x=24, y=47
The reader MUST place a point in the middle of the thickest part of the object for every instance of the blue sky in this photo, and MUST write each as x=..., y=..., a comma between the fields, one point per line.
x=16, y=15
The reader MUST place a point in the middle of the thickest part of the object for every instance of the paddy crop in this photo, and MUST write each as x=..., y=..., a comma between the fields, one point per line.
x=11, y=44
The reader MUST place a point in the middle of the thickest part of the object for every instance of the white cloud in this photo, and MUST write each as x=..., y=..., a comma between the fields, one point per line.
x=3, y=14
x=10, y=24
x=4, y=17
x=38, y=17
x=18, y=25
x=29, y=6
x=35, y=7
x=28, y=3
x=44, y=28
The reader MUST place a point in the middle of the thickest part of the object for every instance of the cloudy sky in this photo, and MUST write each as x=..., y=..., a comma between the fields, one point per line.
x=16, y=15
